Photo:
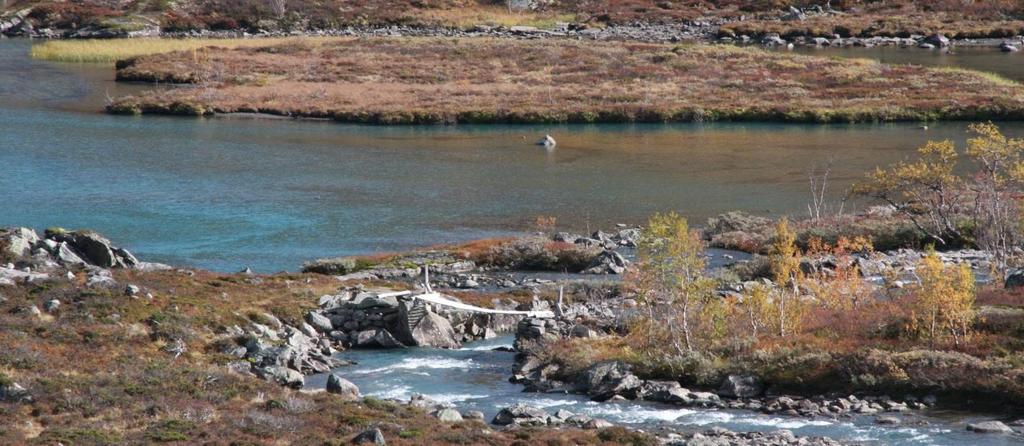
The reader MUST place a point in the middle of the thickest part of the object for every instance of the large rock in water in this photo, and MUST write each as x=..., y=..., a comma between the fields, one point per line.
x=662, y=392
x=342, y=387
x=419, y=326
x=938, y=40
x=741, y=386
x=990, y=427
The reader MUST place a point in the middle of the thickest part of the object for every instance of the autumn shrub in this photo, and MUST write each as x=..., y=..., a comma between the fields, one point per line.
x=539, y=254
x=943, y=301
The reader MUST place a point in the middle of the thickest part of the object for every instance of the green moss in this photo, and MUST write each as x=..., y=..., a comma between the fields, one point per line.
x=412, y=433
x=170, y=430
x=79, y=437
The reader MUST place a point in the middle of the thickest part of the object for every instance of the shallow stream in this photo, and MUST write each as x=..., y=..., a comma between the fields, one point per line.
x=476, y=378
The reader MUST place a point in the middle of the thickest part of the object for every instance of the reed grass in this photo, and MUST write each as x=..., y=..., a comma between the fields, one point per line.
x=108, y=51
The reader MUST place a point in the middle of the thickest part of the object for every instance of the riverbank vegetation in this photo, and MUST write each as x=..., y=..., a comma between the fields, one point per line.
x=109, y=51
x=432, y=80
x=104, y=367
x=812, y=329
x=813, y=323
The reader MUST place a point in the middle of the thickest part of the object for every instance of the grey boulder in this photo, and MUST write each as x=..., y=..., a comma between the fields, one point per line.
x=371, y=436
x=741, y=386
x=342, y=387
x=448, y=415
x=521, y=415
x=607, y=379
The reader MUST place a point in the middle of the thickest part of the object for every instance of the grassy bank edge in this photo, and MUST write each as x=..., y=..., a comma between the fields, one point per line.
x=132, y=106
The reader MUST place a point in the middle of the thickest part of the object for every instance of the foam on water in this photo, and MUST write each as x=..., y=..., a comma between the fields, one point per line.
x=448, y=398
x=632, y=414
x=430, y=362
x=485, y=348
x=395, y=392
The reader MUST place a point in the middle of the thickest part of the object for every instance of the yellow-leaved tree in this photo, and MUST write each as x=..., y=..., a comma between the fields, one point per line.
x=999, y=177
x=943, y=300
x=671, y=282
x=927, y=191
x=785, y=266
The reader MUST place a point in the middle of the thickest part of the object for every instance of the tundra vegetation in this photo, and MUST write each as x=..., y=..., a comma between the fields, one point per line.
x=99, y=371
x=110, y=51
x=996, y=18
x=434, y=80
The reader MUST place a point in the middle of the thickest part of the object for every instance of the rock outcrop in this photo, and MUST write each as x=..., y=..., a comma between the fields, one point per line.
x=59, y=247
x=378, y=318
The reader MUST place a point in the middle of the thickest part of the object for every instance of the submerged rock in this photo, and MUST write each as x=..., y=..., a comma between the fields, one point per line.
x=990, y=427
x=547, y=141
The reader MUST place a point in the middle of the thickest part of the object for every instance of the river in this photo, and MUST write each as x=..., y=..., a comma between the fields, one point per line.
x=476, y=378
x=224, y=194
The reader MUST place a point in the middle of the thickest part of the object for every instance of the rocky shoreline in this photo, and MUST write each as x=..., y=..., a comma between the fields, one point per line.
x=373, y=317
x=707, y=29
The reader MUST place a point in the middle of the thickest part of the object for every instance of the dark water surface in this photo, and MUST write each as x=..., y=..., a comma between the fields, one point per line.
x=224, y=193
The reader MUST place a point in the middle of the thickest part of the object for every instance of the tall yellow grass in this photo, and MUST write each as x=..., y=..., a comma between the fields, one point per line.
x=111, y=50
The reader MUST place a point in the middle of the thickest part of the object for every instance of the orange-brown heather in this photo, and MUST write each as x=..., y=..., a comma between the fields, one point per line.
x=437, y=80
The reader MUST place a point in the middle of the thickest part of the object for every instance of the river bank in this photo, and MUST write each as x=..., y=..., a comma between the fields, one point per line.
x=281, y=327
